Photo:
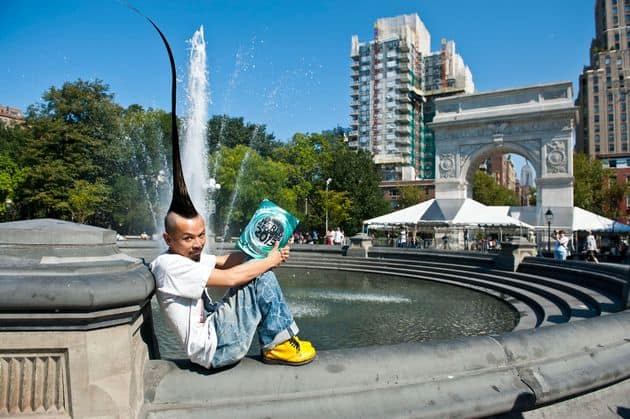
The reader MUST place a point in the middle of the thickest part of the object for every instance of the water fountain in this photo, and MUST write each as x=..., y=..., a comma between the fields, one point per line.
x=195, y=145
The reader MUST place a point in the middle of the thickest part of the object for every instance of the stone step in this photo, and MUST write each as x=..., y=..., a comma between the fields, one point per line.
x=561, y=303
x=530, y=306
x=596, y=301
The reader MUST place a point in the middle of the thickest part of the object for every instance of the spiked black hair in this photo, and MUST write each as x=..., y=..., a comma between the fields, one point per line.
x=181, y=203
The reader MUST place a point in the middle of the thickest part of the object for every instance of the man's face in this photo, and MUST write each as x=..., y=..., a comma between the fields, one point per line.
x=188, y=237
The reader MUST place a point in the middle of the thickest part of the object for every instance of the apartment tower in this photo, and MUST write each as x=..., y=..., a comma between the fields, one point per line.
x=602, y=130
x=395, y=78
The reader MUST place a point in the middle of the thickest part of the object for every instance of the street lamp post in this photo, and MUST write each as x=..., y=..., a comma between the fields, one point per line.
x=549, y=219
x=8, y=204
x=326, y=204
x=213, y=187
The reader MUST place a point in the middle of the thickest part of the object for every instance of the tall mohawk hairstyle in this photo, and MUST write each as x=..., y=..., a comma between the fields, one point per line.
x=181, y=203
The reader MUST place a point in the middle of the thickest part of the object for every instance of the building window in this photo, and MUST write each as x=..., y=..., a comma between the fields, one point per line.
x=624, y=146
x=596, y=118
x=597, y=148
x=611, y=117
x=596, y=127
x=596, y=138
x=611, y=149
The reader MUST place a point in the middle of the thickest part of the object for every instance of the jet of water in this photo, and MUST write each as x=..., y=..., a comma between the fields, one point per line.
x=195, y=150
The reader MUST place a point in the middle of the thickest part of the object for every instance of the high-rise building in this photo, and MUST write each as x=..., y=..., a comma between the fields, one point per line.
x=602, y=129
x=395, y=78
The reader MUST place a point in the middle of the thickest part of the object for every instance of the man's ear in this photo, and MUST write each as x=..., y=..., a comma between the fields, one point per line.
x=167, y=238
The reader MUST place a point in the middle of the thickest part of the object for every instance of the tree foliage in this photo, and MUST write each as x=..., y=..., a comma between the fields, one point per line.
x=595, y=189
x=411, y=195
x=82, y=157
x=231, y=132
x=487, y=191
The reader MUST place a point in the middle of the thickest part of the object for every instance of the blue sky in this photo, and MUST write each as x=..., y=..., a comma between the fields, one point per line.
x=280, y=63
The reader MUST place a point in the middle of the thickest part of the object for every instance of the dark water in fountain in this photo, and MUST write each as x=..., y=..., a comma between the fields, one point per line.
x=336, y=309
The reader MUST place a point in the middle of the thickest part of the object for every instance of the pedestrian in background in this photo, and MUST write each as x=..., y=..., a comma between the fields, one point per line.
x=591, y=248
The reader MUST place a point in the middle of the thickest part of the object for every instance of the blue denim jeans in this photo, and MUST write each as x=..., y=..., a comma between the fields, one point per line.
x=560, y=254
x=258, y=306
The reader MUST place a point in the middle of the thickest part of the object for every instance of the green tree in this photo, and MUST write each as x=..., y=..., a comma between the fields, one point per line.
x=487, y=191
x=355, y=173
x=595, y=189
x=531, y=197
x=71, y=136
x=230, y=132
x=11, y=179
x=339, y=207
x=145, y=162
x=12, y=140
x=411, y=195
x=85, y=199
x=246, y=179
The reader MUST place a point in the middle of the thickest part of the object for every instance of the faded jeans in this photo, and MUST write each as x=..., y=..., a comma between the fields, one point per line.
x=258, y=306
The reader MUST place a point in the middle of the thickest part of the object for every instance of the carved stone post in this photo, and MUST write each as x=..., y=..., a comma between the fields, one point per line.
x=513, y=252
x=72, y=309
x=359, y=245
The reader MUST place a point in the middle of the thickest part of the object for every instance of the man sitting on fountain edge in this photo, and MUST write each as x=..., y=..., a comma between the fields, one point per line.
x=217, y=334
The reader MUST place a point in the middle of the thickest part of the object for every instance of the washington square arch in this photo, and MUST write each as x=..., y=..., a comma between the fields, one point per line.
x=536, y=122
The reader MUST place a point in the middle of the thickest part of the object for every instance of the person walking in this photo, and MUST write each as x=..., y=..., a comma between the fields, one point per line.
x=591, y=247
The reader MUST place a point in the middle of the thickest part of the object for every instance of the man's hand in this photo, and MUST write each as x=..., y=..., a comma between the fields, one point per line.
x=285, y=252
x=276, y=256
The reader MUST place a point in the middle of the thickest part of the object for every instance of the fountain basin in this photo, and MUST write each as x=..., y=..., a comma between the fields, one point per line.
x=577, y=343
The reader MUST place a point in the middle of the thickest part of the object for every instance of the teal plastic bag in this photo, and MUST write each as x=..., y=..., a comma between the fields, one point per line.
x=269, y=224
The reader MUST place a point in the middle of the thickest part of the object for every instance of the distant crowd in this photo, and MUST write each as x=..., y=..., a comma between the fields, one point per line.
x=332, y=237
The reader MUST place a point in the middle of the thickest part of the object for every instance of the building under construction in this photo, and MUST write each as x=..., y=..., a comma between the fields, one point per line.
x=395, y=79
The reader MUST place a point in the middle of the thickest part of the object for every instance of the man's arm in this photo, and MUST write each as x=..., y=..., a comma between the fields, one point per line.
x=243, y=273
x=230, y=260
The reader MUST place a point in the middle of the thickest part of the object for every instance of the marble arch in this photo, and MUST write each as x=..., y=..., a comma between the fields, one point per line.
x=536, y=122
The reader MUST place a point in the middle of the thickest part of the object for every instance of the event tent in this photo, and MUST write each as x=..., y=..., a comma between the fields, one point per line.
x=447, y=212
x=586, y=220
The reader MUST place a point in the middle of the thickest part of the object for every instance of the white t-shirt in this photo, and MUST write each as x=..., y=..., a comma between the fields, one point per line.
x=180, y=283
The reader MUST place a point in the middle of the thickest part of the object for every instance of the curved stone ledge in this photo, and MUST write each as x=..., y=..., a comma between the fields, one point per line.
x=66, y=276
x=541, y=368
x=469, y=377
x=81, y=286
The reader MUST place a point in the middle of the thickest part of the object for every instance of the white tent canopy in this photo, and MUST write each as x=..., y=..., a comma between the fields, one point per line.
x=407, y=216
x=586, y=220
x=449, y=212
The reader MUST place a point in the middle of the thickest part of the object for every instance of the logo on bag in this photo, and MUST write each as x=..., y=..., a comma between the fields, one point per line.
x=268, y=231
